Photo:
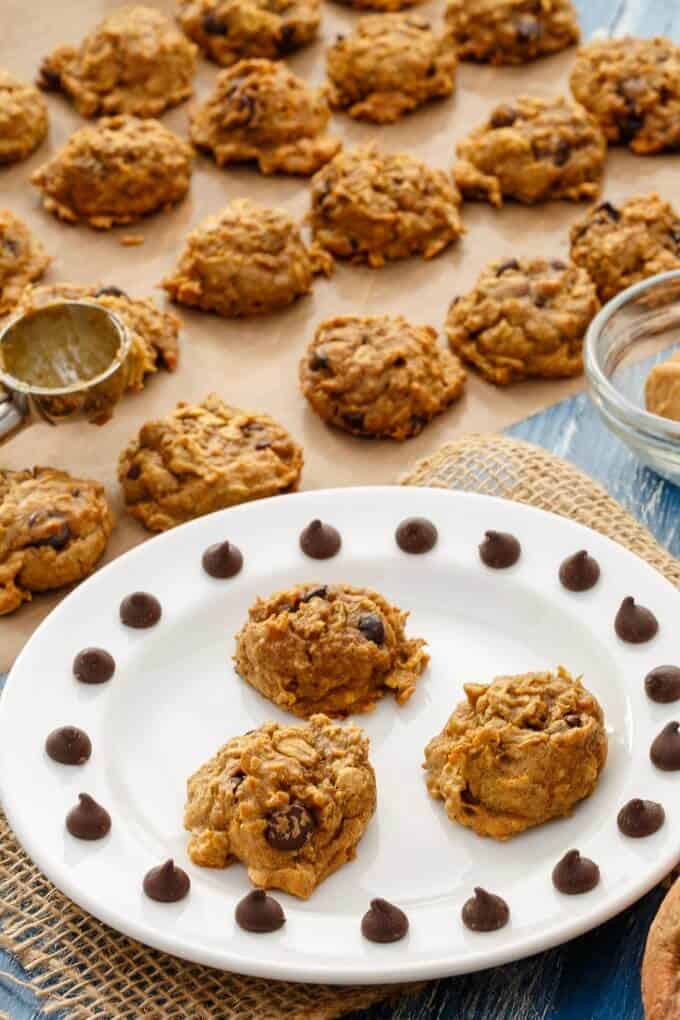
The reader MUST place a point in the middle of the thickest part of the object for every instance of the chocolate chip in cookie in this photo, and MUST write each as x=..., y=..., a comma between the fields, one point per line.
x=289, y=828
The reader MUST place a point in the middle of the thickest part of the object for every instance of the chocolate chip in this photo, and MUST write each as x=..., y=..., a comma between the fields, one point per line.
x=110, y=292
x=629, y=124
x=49, y=80
x=10, y=245
x=88, y=819
x=315, y=593
x=166, y=883
x=579, y=572
x=339, y=37
x=287, y=41
x=573, y=721
x=634, y=623
x=499, y=550
x=289, y=828
x=222, y=560
x=354, y=420
x=259, y=912
x=485, y=911
x=236, y=778
x=665, y=750
x=133, y=472
x=574, y=874
x=503, y=116
x=320, y=541
x=140, y=610
x=93, y=666
x=506, y=266
x=527, y=28
x=58, y=539
x=213, y=26
x=561, y=153
x=69, y=746
x=416, y=535
x=609, y=210
x=384, y=922
x=431, y=71
x=640, y=818
x=663, y=684
x=372, y=627
x=246, y=105
x=318, y=361
x=558, y=264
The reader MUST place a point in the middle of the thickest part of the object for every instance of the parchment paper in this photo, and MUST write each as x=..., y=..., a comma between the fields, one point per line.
x=253, y=363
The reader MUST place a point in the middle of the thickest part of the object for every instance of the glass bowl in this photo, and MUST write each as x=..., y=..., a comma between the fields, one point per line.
x=635, y=331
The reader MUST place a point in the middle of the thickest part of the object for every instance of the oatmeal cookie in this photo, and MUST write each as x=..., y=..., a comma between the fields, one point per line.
x=260, y=111
x=623, y=245
x=662, y=389
x=23, y=119
x=205, y=457
x=136, y=61
x=518, y=752
x=525, y=318
x=511, y=31
x=389, y=65
x=660, y=984
x=532, y=150
x=53, y=529
x=115, y=171
x=290, y=802
x=328, y=648
x=247, y=260
x=372, y=207
x=22, y=259
x=632, y=87
x=379, y=376
x=229, y=30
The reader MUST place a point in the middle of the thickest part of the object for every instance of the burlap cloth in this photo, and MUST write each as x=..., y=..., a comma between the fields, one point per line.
x=76, y=963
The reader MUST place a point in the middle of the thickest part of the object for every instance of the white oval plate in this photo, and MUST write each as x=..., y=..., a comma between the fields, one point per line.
x=175, y=699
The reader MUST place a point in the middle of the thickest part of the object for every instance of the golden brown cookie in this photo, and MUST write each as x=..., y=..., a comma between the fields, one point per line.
x=389, y=65
x=632, y=87
x=511, y=31
x=518, y=752
x=524, y=319
x=115, y=171
x=260, y=111
x=229, y=30
x=53, y=529
x=662, y=389
x=379, y=376
x=328, y=648
x=135, y=61
x=660, y=969
x=623, y=245
x=246, y=261
x=290, y=802
x=372, y=207
x=532, y=150
x=205, y=457
x=22, y=259
x=23, y=119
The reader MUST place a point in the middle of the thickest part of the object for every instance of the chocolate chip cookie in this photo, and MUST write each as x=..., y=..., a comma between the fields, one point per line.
x=229, y=30
x=135, y=61
x=623, y=245
x=290, y=802
x=205, y=457
x=22, y=259
x=53, y=529
x=248, y=260
x=23, y=119
x=518, y=752
x=632, y=87
x=532, y=150
x=260, y=111
x=525, y=318
x=660, y=990
x=662, y=389
x=372, y=207
x=115, y=171
x=511, y=31
x=328, y=648
x=379, y=376
x=389, y=65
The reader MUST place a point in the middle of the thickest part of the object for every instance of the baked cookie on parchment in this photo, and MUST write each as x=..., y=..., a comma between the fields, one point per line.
x=23, y=119
x=230, y=30
x=511, y=31
x=23, y=259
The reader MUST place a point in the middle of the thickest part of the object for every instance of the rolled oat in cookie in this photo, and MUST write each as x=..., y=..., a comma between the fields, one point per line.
x=511, y=31
x=229, y=30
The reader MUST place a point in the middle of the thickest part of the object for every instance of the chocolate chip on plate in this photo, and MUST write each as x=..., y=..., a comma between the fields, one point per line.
x=222, y=560
x=289, y=828
x=140, y=610
x=499, y=550
x=259, y=912
x=416, y=535
x=574, y=874
x=69, y=745
x=93, y=666
x=167, y=883
x=665, y=750
x=88, y=819
x=384, y=922
x=320, y=541
x=485, y=911
x=663, y=684
x=372, y=627
x=635, y=624
x=579, y=572
x=640, y=818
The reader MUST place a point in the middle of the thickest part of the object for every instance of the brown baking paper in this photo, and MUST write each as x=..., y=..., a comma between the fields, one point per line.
x=253, y=363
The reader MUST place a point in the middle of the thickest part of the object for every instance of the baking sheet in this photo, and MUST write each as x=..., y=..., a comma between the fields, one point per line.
x=253, y=363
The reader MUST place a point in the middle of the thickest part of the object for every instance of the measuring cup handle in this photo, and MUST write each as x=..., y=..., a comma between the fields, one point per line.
x=14, y=412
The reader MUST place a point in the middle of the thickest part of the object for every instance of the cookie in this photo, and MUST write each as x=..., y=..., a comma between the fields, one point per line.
x=518, y=752
x=135, y=61
x=372, y=207
x=532, y=150
x=328, y=648
x=379, y=376
x=23, y=119
x=623, y=245
x=525, y=318
x=261, y=112
x=53, y=530
x=662, y=389
x=205, y=457
x=289, y=802
x=115, y=171
x=632, y=87
x=248, y=260
x=22, y=259
x=660, y=989
x=389, y=65
x=511, y=31
x=229, y=30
